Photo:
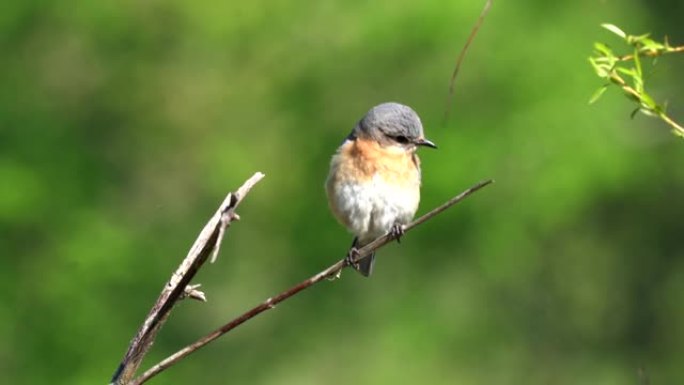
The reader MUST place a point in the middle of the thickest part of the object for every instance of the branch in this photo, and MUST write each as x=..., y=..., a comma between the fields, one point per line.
x=206, y=246
x=461, y=55
x=607, y=65
x=652, y=53
x=676, y=127
x=331, y=272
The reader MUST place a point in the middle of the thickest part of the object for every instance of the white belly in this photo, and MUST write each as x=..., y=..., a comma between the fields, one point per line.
x=370, y=209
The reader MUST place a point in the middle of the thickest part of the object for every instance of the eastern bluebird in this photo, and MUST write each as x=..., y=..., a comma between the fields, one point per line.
x=374, y=182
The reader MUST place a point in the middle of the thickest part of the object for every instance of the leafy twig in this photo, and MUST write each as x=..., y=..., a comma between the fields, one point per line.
x=613, y=68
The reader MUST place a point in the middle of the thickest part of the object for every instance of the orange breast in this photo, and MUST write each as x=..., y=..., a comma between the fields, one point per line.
x=364, y=159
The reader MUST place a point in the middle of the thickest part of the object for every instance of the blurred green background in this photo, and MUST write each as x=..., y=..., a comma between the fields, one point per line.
x=123, y=124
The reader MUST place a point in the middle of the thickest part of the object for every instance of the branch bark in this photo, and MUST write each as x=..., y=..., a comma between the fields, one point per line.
x=270, y=303
x=206, y=246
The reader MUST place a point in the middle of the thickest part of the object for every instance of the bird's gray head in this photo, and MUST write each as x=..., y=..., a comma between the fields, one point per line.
x=392, y=124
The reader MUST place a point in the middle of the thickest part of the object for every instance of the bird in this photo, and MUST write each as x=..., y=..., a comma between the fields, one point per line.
x=373, y=186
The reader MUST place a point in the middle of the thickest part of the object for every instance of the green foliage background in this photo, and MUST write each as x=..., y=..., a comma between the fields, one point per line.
x=124, y=123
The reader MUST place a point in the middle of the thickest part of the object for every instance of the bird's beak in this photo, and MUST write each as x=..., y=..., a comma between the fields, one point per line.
x=426, y=143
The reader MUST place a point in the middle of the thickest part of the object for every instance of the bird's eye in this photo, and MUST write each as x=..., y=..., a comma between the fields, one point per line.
x=401, y=139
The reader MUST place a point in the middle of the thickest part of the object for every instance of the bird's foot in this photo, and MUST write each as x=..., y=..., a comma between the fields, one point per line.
x=352, y=255
x=397, y=231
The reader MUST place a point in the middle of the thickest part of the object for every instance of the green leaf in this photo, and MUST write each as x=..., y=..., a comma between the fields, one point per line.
x=602, y=70
x=648, y=102
x=637, y=63
x=638, y=84
x=614, y=29
x=603, y=49
x=638, y=79
x=651, y=46
x=597, y=94
x=627, y=71
x=637, y=40
x=649, y=113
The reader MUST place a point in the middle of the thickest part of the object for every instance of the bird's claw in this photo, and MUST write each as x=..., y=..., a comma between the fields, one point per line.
x=397, y=231
x=352, y=255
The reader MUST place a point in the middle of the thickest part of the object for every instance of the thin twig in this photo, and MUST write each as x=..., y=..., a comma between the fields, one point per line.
x=676, y=126
x=634, y=93
x=652, y=53
x=205, y=246
x=270, y=303
x=461, y=55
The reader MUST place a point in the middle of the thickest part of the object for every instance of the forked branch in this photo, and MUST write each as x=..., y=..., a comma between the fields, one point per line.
x=206, y=246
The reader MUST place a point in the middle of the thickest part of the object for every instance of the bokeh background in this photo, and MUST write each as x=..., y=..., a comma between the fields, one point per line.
x=123, y=124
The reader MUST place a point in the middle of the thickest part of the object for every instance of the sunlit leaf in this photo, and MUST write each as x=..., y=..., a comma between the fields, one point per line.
x=602, y=70
x=638, y=84
x=627, y=71
x=614, y=29
x=637, y=40
x=648, y=102
x=648, y=112
x=651, y=46
x=637, y=63
x=638, y=78
x=604, y=49
x=597, y=94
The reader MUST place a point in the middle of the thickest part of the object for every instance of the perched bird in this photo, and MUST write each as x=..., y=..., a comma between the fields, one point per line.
x=374, y=182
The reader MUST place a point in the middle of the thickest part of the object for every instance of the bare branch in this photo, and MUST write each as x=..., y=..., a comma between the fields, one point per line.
x=461, y=55
x=206, y=245
x=270, y=303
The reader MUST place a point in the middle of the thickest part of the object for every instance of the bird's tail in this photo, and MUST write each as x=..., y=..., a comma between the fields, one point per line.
x=365, y=266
